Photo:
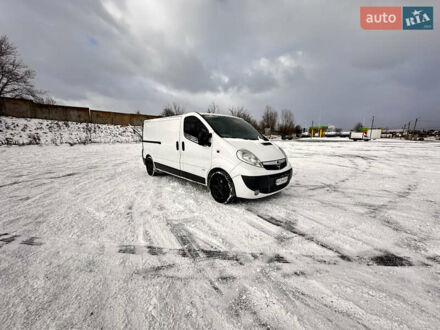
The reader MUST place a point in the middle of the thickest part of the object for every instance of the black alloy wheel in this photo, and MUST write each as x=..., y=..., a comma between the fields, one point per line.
x=149, y=164
x=222, y=187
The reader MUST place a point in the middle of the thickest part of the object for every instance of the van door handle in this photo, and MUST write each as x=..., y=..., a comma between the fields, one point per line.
x=183, y=146
x=177, y=145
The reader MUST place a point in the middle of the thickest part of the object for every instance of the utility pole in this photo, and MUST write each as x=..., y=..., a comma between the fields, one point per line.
x=371, y=129
x=415, y=124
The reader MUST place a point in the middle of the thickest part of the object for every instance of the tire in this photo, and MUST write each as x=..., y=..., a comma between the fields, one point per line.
x=221, y=187
x=149, y=165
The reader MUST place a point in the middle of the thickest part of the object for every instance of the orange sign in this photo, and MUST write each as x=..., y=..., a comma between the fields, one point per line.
x=381, y=18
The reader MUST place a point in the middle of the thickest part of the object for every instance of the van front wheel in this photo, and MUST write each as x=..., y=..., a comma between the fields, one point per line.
x=221, y=187
x=149, y=164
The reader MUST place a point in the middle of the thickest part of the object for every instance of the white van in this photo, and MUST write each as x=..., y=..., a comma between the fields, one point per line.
x=224, y=153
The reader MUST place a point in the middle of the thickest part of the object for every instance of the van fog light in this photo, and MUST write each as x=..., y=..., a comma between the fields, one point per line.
x=256, y=192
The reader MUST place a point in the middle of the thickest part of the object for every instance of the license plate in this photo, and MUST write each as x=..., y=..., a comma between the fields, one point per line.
x=282, y=180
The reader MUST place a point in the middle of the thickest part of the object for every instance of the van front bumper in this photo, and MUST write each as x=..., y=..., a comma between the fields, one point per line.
x=260, y=186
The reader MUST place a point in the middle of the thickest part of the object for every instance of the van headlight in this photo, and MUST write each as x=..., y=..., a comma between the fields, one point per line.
x=248, y=157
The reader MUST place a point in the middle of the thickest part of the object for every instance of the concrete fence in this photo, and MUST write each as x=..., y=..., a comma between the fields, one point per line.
x=28, y=109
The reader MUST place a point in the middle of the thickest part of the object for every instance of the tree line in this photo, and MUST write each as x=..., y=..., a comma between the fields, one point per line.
x=271, y=121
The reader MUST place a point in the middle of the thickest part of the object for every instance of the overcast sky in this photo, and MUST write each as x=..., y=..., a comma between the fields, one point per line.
x=311, y=57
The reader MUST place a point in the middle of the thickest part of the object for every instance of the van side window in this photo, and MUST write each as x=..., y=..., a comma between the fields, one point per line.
x=192, y=126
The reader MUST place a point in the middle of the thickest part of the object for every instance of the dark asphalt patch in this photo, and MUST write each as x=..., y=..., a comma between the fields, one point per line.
x=64, y=175
x=223, y=255
x=31, y=241
x=391, y=260
x=226, y=279
x=128, y=249
x=277, y=258
x=154, y=250
x=435, y=259
x=299, y=273
x=9, y=239
x=152, y=270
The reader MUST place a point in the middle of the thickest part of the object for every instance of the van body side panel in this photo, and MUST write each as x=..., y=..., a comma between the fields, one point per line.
x=223, y=155
x=159, y=141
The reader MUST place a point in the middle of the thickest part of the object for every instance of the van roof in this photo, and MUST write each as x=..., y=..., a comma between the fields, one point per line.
x=214, y=114
x=192, y=113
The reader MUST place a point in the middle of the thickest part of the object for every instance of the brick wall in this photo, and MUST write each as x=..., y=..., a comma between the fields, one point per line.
x=28, y=109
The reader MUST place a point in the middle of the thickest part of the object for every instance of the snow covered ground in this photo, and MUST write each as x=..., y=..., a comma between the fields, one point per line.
x=88, y=240
x=25, y=131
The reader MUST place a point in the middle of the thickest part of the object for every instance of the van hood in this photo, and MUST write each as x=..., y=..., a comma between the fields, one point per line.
x=262, y=149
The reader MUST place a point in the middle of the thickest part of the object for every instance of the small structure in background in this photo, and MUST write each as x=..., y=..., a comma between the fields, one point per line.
x=318, y=131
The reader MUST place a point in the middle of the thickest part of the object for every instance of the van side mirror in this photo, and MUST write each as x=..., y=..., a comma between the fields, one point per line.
x=204, y=137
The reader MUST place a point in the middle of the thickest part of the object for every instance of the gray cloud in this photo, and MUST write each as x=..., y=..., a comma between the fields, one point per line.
x=311, y=57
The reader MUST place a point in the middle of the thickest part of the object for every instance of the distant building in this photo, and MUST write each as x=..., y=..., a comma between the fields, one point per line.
x=331, y=131
x=372, y=134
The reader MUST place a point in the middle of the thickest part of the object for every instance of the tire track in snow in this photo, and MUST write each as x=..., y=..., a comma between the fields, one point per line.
x=334, y=186
x=290, y=227
x=7, y=240
x=191, y=248
x=379, y=211
x=241, y=304
x=298, y=296
x=383, y=258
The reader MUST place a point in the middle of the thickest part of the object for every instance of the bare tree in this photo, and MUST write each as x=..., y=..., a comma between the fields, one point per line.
x=286, y=126
x=172, y=110
x=213, y=108
x=241, y=112
x=270, y=117
x=45, y=100
x=178, y=109
x=298, y=130
x=16, y=79
x=167, y=112
x=358, y=127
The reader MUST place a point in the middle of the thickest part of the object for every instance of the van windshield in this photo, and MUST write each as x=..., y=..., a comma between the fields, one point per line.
x=233, y=127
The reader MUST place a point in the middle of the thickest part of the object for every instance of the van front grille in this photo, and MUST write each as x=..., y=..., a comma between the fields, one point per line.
x=275, y=164
x=267, y=183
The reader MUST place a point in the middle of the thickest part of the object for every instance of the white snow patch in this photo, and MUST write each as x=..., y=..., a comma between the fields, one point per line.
x=25, y=131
